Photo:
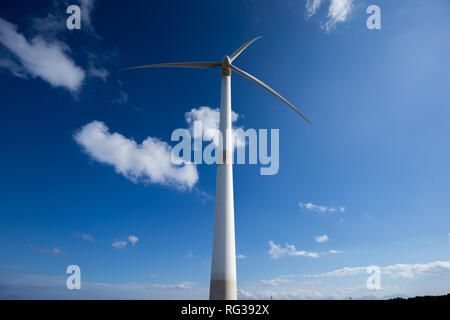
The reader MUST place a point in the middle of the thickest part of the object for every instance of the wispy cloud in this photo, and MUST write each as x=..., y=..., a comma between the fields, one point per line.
x=148, y=162
x=181, y=285
x=119, y=244
x=87, y=6
x=99, y=62
x=409, y=270
x=241, y=256
x=277, y=251
x=55, y=21
x=311, y=7
x=43, y=53
x=283, y=279
x=7, y=63
x=296, y=291
x=39, y=58
x=122, y=95
x=30, y=286
x=275, y=282
x=49, y=25
x=338, y=12
x=321, y=239
x=86, y=236
x=320, y=209
x=203, y=195
x=26, y=286
x=55, y=251
x=244, y=294
x=99, y=73
x=133, y=239
x=396, y=271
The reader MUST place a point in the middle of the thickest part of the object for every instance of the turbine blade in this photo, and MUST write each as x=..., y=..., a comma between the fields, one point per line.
x=265, y=86
x=196, y=65
x=242, y=48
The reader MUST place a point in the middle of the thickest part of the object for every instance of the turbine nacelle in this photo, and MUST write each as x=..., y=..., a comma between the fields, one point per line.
x=227, y=66
x=226, y=62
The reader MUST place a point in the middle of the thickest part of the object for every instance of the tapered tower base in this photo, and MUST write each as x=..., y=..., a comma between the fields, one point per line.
x=223, y=265
x=223, y=290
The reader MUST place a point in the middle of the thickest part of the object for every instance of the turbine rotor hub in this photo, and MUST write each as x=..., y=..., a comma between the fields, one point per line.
x=226, y=62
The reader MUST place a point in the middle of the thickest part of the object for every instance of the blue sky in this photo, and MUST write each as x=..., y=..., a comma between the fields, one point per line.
x=379, y=105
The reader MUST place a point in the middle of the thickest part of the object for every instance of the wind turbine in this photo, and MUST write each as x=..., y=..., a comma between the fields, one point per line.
x=223, y=268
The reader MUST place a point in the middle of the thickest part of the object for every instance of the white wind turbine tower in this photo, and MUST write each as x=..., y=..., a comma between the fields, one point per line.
x=223, y=267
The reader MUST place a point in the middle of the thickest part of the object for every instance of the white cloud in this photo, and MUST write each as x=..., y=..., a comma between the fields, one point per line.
x=16, y=69
x=133, y=239
x=149, y=162
x=287, y=276
x=281, y=293
x=276, y=282
x=276, y=251
x=244, y=294
x=320, y=209
x=334, y=251
x=99, y=73
x=202, y=195
x=346, y=271
x=321, y=290
x=119, y=244
x=241, y=256
x=210, y=119
x=58, y=251
x=86, y=9
x=55, y=22
x=312, y=6
x=39, y=58
x=29, y=286
x=181, y=285
x=55, y=251
x=122, y=98
x=395, y=271
x=409, y=270
x=152, y=275
x=49, y=25
x=338, y=12
x=97, y=60
x=322, y=239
